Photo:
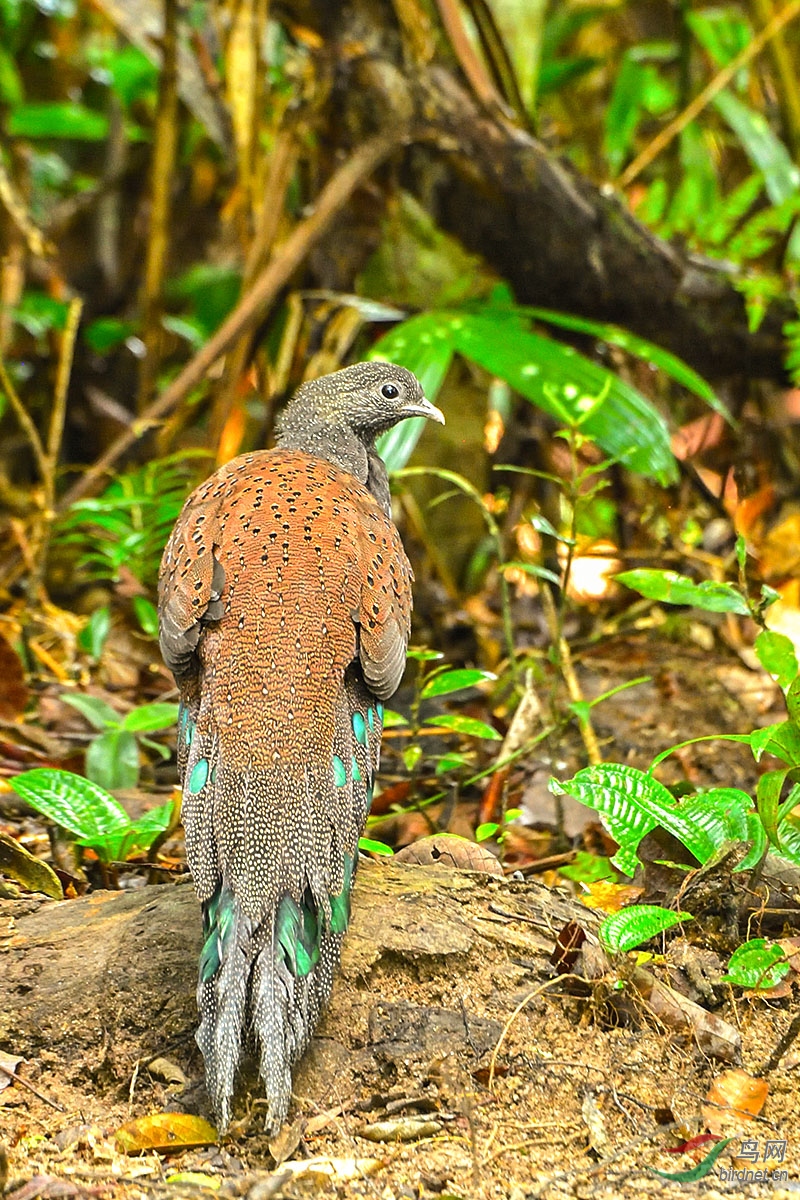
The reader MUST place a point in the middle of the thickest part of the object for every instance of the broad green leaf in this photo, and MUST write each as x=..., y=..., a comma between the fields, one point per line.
x=421, y=345
x=789, y=838
x=630, y=804
x=448, y=682
x=467, y=725
x=613, y=335
x=613, y=795
x=147, y=718
x=624, y=930
x=672, y=588
x=776, y=653
x=96, y=711
x=54, y=120
x=721, y=812
x=793, y=700
x=757, y=964
x=119, y=845
x=759, y=843
x=782, y=740
x=112, y=760
x=80, y=806
x=588, y=868
x=566, y=384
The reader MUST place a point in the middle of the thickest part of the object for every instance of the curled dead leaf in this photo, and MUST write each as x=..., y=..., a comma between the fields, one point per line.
x=449, y=850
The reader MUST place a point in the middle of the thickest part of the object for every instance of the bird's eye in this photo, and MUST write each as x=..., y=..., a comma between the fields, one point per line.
x=389, y=391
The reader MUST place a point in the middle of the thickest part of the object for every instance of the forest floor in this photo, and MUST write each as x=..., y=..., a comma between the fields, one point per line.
x=448, y=1025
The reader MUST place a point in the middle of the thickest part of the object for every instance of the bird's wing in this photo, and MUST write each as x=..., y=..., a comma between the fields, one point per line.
x=191, y=579
x=384, y=615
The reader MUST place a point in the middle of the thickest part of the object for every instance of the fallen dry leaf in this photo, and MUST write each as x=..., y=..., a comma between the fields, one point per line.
x=734, y=1097
x=164, y=1131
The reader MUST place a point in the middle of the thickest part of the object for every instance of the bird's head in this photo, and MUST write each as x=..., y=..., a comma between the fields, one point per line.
x=369, y=398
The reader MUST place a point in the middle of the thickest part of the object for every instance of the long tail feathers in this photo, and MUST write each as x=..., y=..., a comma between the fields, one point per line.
x=275, y=878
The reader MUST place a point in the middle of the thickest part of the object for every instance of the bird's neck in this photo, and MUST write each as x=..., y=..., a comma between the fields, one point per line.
x=337, y=444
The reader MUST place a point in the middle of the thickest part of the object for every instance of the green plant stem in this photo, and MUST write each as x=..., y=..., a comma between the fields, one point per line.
x=496, y=535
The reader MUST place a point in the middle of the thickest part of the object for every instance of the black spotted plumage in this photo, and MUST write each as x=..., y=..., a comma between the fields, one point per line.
x=284, y=604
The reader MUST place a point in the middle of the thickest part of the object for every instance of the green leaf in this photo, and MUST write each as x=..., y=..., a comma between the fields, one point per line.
x=370, y=846
x=147, y=718
x=96, y=711
x=106, y=333
x=671, y=588
x=624, y=930
x=776, y=653
x=757, y=964
x=566, y=384
x=11, y=90
x=451, y=762
x=46, y=120
x=485, y=831
x=137, y=835
x=93, y=636
x=588, y=868
x=782, y=740
x=38, y=313
x=631, y=804
x=467, y=725
x=112, y=760
x=420, y=654
x=447, y=682
x=722, y=812
x=411, y=757
x=534, y=569
x=789, y=838
x=759, y=843
x=392, y=719
x=423, y=346
x=647, y=351
x=766, y=151
x=82, y=807
x=768, y=794
x=146, y=615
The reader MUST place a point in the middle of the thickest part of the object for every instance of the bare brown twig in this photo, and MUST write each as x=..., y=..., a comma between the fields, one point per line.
x=250, y=308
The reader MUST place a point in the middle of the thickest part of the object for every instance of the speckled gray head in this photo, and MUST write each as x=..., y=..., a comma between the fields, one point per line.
x=369, y=398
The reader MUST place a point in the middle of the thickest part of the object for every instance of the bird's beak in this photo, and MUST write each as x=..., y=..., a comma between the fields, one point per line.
x=424, y=408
